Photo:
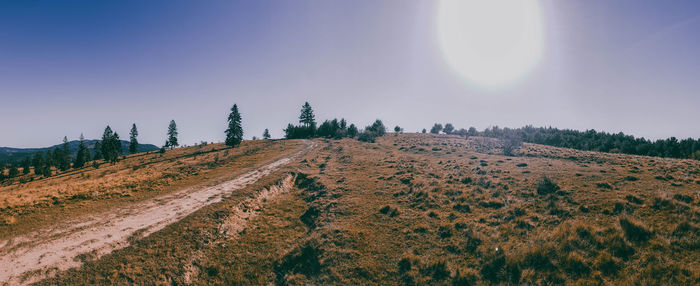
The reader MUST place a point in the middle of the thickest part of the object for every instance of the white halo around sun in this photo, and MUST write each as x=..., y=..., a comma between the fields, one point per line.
x=492, y=43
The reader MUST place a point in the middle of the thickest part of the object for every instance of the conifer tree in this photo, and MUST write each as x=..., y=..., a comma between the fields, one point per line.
x=266, y=134
x=307, y=117
x=234, y=132
x=133, y=141
x=352, y=131
x=65, y=155
x=13, y=171
x=172, y=134
x=111, y=147
x=38, y=163
x=26, y=163
x=97, y=151
x=82, y=156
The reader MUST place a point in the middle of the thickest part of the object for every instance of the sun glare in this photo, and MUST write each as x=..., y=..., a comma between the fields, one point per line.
x=491, y=43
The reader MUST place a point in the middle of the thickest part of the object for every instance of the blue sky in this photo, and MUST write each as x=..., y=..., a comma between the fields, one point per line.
x=71, y=67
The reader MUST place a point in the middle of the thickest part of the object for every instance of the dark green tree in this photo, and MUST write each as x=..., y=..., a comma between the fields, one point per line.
x=46, y=170
x=234, y=132
x=436, y=128
x=38, y=163
x=65, y=155
x=423, y=131
x=352, y=131
x=83, y=154
x=172, y=134
x=448, y=128
x=111, y=147
x=133, y=142
x=266, y=134
x=307, y=117
x=397, y=129
x=26, y=163
x=14, y=172
x=97, y=151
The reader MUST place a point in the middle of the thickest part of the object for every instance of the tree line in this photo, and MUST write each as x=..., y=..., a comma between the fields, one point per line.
x=332, y=129
x=589, y=140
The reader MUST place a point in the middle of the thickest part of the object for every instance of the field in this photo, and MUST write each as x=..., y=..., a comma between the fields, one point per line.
x=409, y=209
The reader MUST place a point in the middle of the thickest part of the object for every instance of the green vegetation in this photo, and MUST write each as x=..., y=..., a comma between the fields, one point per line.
x=234, y=132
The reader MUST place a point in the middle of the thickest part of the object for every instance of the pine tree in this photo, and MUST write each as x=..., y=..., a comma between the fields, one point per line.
x=38, y=163
x=46, y=170
x=172, y=134
x=26, y=163
x=234, y=132
x=307, y=117
x=111, y=147
x=133, y=142
x=57, y=158
x=266, y=134
x=97, y=151
x=2, y=171
x=106, y=146
x=352, y=131
x=83, y=155
x=65, y=155
x=13, y=171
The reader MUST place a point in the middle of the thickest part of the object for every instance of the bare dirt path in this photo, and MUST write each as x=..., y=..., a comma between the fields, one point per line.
x=40, y=254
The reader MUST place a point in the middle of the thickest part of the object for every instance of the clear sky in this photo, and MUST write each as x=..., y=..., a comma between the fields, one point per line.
x=71, y=67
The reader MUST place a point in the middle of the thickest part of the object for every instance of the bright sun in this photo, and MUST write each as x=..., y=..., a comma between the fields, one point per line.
x=492, y=43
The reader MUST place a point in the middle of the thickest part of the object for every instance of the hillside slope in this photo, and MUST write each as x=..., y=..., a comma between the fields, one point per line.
x=428, y=209
x=8, y=154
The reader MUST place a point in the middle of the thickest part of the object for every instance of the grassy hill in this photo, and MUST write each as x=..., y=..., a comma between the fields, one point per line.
x=8, y=154
x=410, y=209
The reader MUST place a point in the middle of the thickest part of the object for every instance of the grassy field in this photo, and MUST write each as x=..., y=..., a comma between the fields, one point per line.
x=28, y=205
x=410, y=209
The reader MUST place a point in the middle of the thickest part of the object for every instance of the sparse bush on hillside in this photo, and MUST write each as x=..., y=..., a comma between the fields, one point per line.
x=373, y=131
x=634, y=232
x=449, y=128
x=497, y=269
x=686, y=236
x=436, y=128
x=511, y=145
x=546, y=186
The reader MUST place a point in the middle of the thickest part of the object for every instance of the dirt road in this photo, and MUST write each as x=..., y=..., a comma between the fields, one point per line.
x=32, y=257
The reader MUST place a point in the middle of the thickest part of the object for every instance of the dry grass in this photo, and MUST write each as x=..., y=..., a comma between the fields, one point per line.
x=39, y=202
x=427, y=209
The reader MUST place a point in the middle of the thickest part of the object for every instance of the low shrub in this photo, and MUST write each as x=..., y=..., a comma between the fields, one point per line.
x=546, y=186
x=635, y=232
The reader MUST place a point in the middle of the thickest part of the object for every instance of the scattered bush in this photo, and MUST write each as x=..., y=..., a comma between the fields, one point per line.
x=404, y=265
x=606, y=264
x=634, y=232
x=633, y=199
x=631, y=178
x=546, y=186
x=463, y=208
x=302, y=260
x=497, y=269
x=686, y=236
x=683, y=198
x=603, y=185
x=437, y=270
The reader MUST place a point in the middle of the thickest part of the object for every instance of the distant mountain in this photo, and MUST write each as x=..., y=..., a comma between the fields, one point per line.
x=8, y=154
